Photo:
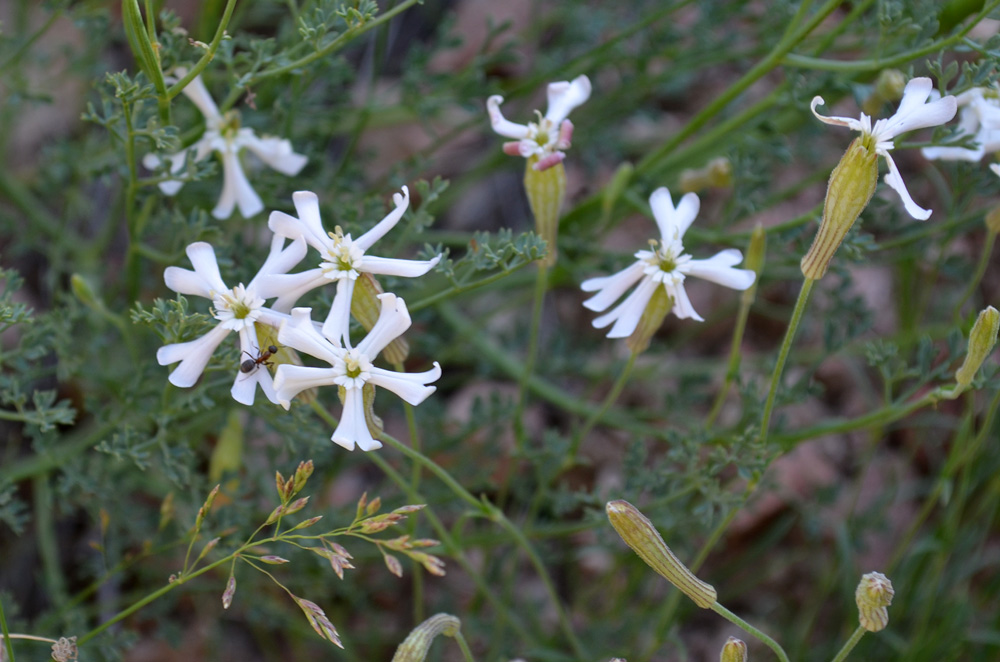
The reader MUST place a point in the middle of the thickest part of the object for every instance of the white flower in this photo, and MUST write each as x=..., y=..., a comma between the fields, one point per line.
x=979, y=117
x=224, y=135
x=351, y=368
x=552, y=133
x=913, y=113
x=237, y=309
x=667, y=265
x=343, y=259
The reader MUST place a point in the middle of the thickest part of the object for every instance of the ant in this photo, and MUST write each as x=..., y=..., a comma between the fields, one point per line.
x=253, y=363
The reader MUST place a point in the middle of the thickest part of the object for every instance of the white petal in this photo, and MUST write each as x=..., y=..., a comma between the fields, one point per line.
x=279, y=259
x=393, y=320
x=185, y=281
x=682, y=305
x=611, y=287
x=565, y=96
x=410, y=386
x=626, y=314
x=198, y=93
x=289, y=287
x=719, y=269
x=352, y=427
x=275, y=152
x=953, y=153
x=849, y=122
x=236, y=190
x=170, y=186
x=913, y=113
x=290, y=380
x=388, y=266
x=500, y=124
x=299, y=333
x=337, y=326
x=365, y=241
x=309, y=224
x=193, y=356
x=893, y=179
x=202, y=257
x=673, y=223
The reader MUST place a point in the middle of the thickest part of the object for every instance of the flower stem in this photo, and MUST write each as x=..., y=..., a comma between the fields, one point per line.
x=786, y=345
x=541, y=285
x=850, y=644
x=735, y=356
x=6, y=634
x=768, y=641
x=597, y=414
x=977, y=276
x=200, y=65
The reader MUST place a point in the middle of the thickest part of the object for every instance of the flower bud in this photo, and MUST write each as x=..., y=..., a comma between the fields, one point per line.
x=84, y=291
x=874, y=595
x=993, y=220
x=366, y=306
x=546, y=189
x=734, y=650
x=888, y=87
x=302, y=473
x=639, y=534
x=652, y=319
x=756, y=252
x=982, y=339
x=718, y=173
x=227, y=595
x=852, y=184
x=417, y=644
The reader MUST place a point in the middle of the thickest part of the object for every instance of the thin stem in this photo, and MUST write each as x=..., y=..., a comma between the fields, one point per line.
x=849, y=645
x=786, y=345
x=213, y=46
x=6, y=634
x=464, y=287
x=466, y=651
x=541, y=285
x=599, y=413
x=751, y=630
x=735, y=353
x=977, y=276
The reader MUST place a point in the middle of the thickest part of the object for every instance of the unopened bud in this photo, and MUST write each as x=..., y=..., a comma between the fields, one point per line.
x=640, y=534
x=366, y=307
x=993, y=220
x=756, y=252
x=302, y=474
x=417, y=644
x=874, y=595
x=545, y=190
x=852, y=184
x=296, y=506
x=650, y=322
x=205, y=508
x=227, y=595
x=890, y=84
x=718, y=173
x=83, y=291
x=734, y=650
x=982, y=339
x=279, y=484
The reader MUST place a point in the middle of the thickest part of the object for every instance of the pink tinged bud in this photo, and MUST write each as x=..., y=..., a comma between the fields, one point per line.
x=404, y=510
x=270, y=559
x=318, y=620
x=550, y=160
x=417, y=644
x=275, y=514
x=296, y=506
x=640, y=534
x=734, y=650
x=565, y=135
x=512, y=148
x=205, y=508
x=873, y=596
x=227, y=595
x=306, y=523
x=852, y=184
x=279, y=484
x=395, y=567
x=373, y=506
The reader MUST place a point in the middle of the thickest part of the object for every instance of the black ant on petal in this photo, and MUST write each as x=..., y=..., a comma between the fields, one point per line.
x=253, y=363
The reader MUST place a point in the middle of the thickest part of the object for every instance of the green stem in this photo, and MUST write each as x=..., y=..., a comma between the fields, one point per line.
x=977, y=276
x=768, y=641
x=6, y=634
x=56, y=456
x=850, y=644
x=541, y=285
x=735, y=353
x=464, y=287
x=496, y=515
x=466, y=651
x=770, y=61
x=343, y=39
x=213, y=46
x=599, y=413
x=786, y=345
